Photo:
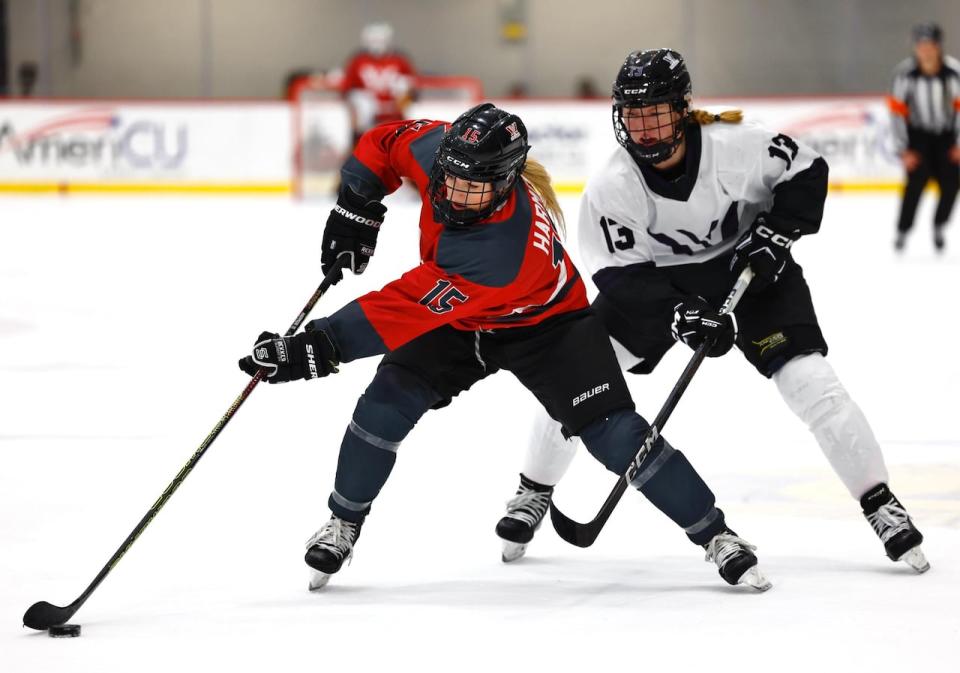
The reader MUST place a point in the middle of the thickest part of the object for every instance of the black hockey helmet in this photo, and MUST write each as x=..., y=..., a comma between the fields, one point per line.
x=647, y=79
x=927, y=31
x=484, y=145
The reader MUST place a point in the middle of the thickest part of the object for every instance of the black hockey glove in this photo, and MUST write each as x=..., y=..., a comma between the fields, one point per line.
x=308, y=355
x=352, y=229
x=694, y=321
x=765, y=250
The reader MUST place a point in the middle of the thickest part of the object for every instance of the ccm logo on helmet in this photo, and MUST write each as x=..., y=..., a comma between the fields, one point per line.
x=583, y=397
x=357, y=218
x=457, y=162
x=634, y=92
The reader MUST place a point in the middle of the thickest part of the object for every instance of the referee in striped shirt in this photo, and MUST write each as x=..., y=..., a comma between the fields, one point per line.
x=925, y=101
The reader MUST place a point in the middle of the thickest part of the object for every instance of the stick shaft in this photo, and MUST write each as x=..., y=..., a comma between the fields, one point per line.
x=328, y=280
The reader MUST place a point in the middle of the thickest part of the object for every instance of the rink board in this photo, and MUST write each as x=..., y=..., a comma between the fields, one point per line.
x=232, y=147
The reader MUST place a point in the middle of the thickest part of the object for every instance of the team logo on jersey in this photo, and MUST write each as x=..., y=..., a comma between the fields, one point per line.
x=773, y=341
x=513, y=131
x=440, y=299
x=471, y=136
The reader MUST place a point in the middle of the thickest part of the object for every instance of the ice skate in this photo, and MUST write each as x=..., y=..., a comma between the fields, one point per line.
x=736, y=561
x=328, y=548
x=938, y=241
x=890, y=521
x=525, y=512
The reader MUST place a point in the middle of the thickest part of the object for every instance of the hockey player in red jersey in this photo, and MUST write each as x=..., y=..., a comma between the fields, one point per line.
x=378, y=81
x=495, y=290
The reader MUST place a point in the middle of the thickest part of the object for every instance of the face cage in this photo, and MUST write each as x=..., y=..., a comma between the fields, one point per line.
x=654, y=152
x=444, y=208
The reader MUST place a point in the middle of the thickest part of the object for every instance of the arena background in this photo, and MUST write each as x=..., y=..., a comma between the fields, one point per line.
x=162, y=200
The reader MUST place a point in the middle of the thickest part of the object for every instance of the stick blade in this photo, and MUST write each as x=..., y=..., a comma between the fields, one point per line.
x=41, y=616
x=577, y=534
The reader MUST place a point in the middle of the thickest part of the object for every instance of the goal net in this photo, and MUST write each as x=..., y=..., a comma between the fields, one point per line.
x=322, y=124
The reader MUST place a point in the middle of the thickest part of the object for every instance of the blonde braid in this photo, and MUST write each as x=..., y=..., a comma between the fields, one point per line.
x=539, y=180
x=703, y=117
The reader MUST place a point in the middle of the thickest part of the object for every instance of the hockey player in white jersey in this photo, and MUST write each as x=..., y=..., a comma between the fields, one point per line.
x=682, y=206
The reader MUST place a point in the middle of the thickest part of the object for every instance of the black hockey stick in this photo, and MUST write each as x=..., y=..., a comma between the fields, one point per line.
x=585, y=534
x=43, y=615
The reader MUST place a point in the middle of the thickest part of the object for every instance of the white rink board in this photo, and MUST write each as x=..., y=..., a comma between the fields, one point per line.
x=250, y=146
x=120, y=324
x=124, y=143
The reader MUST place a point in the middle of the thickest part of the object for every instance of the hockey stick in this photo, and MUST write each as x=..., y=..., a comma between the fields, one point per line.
x=585, y=534
x=43, y=615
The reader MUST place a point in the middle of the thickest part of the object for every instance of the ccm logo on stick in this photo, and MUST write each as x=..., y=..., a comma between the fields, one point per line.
x=583, y=397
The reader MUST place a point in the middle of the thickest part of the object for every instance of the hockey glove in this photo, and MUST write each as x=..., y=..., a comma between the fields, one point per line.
x=352, y=229
x=694, y=322
x=765, y=250
x=308, y=355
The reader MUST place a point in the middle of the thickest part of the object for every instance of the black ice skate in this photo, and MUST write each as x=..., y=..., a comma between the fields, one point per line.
x=938, y=241
x=525, y=512
x=736, y=561
x=895, y=528
x=329, y=548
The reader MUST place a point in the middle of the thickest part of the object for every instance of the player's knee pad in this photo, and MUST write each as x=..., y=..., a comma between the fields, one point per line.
x=615, y=439
x=386, y=412
x=812, y=390
x=390, y=407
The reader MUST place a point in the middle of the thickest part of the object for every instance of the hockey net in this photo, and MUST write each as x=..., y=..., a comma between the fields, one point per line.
x=322, y=131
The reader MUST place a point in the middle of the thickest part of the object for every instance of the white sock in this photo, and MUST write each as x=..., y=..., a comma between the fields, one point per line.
x=813, y=392
x=548, y=454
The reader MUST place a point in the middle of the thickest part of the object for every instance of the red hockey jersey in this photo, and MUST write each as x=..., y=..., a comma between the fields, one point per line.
x=389, y=77
x=508, y=271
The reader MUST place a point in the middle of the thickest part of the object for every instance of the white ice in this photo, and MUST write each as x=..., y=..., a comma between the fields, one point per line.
x=121, y=321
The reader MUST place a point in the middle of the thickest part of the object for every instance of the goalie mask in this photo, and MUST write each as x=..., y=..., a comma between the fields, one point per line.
x=477, y=165
x=651, y=98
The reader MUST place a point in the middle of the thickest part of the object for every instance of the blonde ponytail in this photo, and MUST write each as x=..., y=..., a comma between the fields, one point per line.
x=538, y=179
x=703, y=117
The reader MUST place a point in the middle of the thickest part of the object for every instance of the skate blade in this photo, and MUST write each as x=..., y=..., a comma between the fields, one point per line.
x=512, y=551
x=755, y=579
x=916, y=559
x=318, y=580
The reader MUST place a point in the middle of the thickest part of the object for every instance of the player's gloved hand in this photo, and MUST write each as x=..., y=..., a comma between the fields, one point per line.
x=308, y=355
x=694, y=322
x=352, y=229
x=765, y=250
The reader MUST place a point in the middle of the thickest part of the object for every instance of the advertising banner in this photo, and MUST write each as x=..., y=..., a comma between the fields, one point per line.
x=92, y=146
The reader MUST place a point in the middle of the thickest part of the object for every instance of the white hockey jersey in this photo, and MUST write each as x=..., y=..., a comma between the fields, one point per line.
x=631, y=215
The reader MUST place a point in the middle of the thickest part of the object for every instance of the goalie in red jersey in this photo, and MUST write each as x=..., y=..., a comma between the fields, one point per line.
x=495, y=290
x=378, y=81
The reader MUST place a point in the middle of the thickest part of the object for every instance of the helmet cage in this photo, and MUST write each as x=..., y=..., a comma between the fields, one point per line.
x=454, y=204
x=644, y=115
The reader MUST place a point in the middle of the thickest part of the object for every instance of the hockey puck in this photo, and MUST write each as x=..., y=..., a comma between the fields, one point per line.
x=64, y=631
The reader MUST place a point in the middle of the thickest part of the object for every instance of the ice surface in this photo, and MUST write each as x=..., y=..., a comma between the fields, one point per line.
x=120, y=324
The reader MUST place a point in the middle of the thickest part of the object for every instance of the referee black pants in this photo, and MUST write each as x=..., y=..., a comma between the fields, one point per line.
x=935, y=162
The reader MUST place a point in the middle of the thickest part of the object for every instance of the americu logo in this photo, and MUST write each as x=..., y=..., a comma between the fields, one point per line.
x=773, y=341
